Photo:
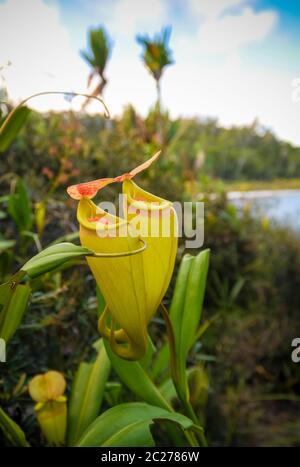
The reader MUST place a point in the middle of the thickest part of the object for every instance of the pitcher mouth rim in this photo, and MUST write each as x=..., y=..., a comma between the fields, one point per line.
x=96, y=211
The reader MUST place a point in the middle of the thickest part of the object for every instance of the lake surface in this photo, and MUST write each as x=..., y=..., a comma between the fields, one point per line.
x=281, y=205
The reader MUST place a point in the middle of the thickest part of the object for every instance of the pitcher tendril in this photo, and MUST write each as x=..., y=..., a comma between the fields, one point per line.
x=44, y=93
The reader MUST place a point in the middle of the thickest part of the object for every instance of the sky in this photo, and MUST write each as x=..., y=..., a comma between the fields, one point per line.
x=235, y=60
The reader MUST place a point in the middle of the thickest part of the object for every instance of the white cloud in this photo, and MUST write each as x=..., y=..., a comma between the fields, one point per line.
x=132, y=16
x=235, y=94
x=228, y=33
x=226, y=88
x=212, y=8
x=222, y=29
x=39, y=49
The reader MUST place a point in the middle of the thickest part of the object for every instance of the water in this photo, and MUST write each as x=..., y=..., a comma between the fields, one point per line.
x=281, y=205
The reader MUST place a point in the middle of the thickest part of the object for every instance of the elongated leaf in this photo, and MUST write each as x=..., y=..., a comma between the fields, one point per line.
x=6, y=244
x=40, y=217
x=12, y=431
x=161, y=363
x=66, y=238
x=146, y=361
x=194, y=300
x=134, y=376
x=178, y=300
x=87, y=394
x=13, y=303
x=186, y=308
x=113, y=392
x=167, y=388
x=53, y=257
x=12, y=125
x=128, y=425
x=19, y=207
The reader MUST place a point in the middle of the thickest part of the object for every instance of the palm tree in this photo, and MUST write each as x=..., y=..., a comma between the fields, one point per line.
x=99, y=52
x=156, y=55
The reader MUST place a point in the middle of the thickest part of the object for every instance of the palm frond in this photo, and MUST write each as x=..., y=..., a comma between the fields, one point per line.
x=156, y=54
x=87, y=58
x=99, y=49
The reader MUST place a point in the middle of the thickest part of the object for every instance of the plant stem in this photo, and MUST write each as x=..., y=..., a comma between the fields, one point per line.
x=190, y=412
x=188, y=409
x=158, y=90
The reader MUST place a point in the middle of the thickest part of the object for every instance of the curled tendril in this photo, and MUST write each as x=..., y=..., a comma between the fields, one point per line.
x=120, y=335
x=71, y=94
x=132, y=350
x=123, y=253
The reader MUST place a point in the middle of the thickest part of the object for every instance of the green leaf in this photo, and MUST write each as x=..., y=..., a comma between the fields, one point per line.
x=168, y=390
x=161, y=363
x=134, y=376
x=19, y=207
x=53, y=257
x=4, y=198
x=14, y=299
x=128, y=425
x=186, y=308
x=12, y=125
x=87, y=394
x=112, y=394
x=146, y=361
x=66, y=238
x=178, y=300
x=40, y=217
x=6, y=244
x=194, y=300
x=12, y=431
